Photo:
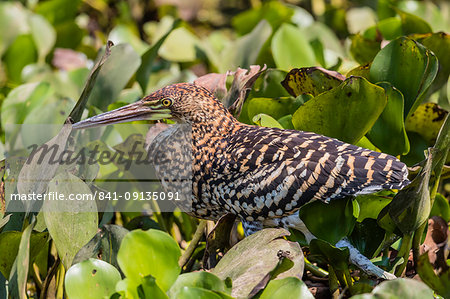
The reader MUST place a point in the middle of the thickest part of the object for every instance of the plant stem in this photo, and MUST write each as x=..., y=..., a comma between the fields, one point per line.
x=417, y=240
x=193, y=244
x=404, y=252
x=319, y=272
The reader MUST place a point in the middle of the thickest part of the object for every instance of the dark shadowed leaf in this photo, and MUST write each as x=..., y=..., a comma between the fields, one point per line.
x=441, y=283
x=324, y=252
x=364, y=49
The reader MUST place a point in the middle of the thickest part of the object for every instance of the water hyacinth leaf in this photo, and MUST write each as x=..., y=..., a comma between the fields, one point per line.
x=389, y=28
x=398, y=288
x=388, y=133
x=149, y=289
x=441, y=207
x=276, y=108
x=193, y=292
x=80, y=218
x=409, y=67
x=360, y=71
x=268, y=85
x=10, y=240
x=264, y=120
x=114, y=75
x=289, y=287
x=363, y=49
x=320, y=218
x=13, y=21
x=181, y=45
x=19, y=54
x=250, y=260
x=128, y=34
x=244, y=51
x=413, y=24
x=439, y=43
x=440, y=284
x=426, y=121
x=103, y=246
x=201, y=279
x=346, y=112
x=91, y=278
x=311, y=80
x=152, y=252
x=367, y=236
x=371, y=205
x=290, y=49
x=286, y=122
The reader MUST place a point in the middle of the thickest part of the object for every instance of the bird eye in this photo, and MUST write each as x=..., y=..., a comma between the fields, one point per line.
x=167, y=102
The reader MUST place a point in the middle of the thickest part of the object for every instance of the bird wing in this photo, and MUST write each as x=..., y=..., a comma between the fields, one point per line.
x=271, y=172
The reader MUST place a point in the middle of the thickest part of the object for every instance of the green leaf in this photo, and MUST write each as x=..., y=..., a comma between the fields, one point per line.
x=193, y=292
x=201, y=279
x=324, y=252
x=44, y=35
x=398, y=288
x=371, y=205
x=367, y=237
x=409, y=67
x=149, y=289
x=426, y=121
x=441, y=207
x=346, y=112
x=152, y=252
x=13, y=21
x=289, y=287
x=71, y=224
x=19, y=54
x=388, y=133
x=363, y=49
x=264, y=120
x=268, y=85
x=9, y=242
x=91, y=278
x=413, y=24
x=274, y=107
x=311, y=80
x=244, y=51
x=320, y=218
x=286, y=122
x=252, y=259
x=145, y=69
x=114, y=75
x=440, y=284
x=389, y=28
x=181, y=45
x=104, y=245
x=290, y=49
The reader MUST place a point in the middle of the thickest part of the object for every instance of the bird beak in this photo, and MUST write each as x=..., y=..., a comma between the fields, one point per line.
x=140, y=110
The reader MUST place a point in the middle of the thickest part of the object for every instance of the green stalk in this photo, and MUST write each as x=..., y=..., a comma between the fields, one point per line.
x=404, y=252
x=193, y=244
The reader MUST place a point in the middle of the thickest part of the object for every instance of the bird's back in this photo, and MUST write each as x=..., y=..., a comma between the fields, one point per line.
x=267, y=172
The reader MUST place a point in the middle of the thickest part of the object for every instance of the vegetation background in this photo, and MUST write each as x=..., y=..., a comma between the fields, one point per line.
x=371, y=73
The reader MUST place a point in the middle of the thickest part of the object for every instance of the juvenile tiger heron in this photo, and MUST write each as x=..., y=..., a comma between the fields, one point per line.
x=262, y=175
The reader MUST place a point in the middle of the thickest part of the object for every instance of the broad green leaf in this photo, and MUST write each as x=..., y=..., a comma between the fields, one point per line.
x=268, y=85
x=152, y=252
x=388, y=133
x=321, y=218
x=440, y=284
x=264, y=120
x=249, y=261
x=71, y=224
x=441, y=207
x=145, y=69
x=389, y=28
x=91, y=278
x=426, y=121
x=181, y=45
x=19, y=54
x=193, y=292
x=58, y=11
x=409, y=67
x=274, y=107
x=114, y=75
x=9, y=242
x=104, y=245
x=13, y=21
x=126, y=34
x=311, y=80
x=286, y=122
x=149, y=289
x=244, y=51
x=346, y=112
x=290, y=49
x=273, y=12
x=371, y=205
x=363, y=49
x=398, y=288
x=360, y=71
x=359, y=19
x=418, y=146
x=439, y=43
x=201, y=279
x=44, y=35
x=413, y=24
x=289, y=287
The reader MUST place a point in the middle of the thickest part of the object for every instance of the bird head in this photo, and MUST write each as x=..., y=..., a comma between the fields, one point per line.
x=183, y=102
